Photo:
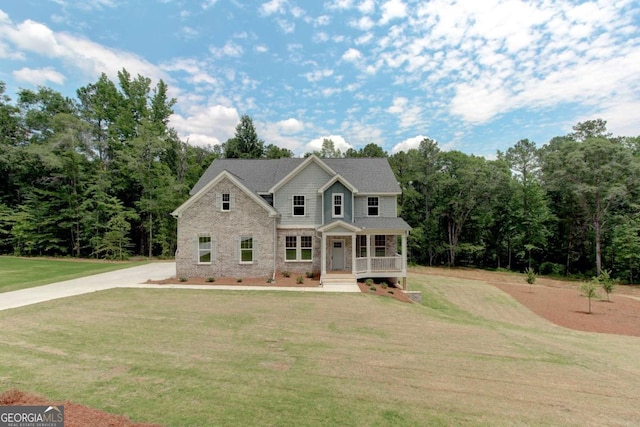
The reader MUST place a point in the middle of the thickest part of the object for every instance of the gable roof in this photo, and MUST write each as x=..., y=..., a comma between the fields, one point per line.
x=234, y=179
x=368, y=175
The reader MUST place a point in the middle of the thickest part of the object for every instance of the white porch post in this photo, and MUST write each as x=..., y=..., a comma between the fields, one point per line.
x=353, y=253
x=323, y=267
x=405, y=235
x=369, y=253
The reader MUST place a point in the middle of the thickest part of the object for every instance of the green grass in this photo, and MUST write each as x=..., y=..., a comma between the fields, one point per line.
x=20, y=273
x=195, y=357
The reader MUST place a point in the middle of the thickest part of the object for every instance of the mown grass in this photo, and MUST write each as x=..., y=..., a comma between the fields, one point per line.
x=20, y=273
x=179, y=357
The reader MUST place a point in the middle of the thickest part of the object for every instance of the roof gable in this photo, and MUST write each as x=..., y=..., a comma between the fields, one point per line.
x=311, y=159
x=236, y=181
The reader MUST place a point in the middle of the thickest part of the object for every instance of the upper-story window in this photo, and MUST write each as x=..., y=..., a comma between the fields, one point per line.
x=226, y=202
x=298, y=206
x=338, y=200
x=373, y=206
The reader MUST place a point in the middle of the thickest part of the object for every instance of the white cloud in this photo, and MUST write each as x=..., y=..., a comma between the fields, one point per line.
x=409, y=115
x=393, y=9
x=209, y=4
x=367, y=7
x=273, y=7
x=408, y=144
x=338, y=143
x=364, y=23
x=352, y=55
x=261, y=48
x=206, y=124
x=318, y=75
x=290, y=125
x=229, y=49
x=39, y=76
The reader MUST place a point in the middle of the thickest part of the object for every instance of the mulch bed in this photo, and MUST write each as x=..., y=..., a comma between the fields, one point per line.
x=390, y=291
x=565, y=306
x=280, y=281
x=74, y=415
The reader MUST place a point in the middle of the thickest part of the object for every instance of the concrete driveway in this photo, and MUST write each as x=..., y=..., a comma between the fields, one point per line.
x=133, y=277
x=98, y=282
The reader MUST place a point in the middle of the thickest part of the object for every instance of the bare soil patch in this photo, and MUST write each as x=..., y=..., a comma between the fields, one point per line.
x=561, y=301
x=74, y=415
x=390, y=291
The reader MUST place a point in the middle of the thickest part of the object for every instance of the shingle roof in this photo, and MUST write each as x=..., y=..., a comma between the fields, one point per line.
x=368, y=175
x=376, y=223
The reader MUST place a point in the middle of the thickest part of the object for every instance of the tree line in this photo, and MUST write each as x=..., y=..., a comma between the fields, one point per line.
x=97, y=176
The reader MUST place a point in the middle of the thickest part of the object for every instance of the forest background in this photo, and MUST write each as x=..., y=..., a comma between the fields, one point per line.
x=97, y=176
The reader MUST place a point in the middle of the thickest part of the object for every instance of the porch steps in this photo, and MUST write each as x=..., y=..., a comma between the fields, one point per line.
x=342, y=279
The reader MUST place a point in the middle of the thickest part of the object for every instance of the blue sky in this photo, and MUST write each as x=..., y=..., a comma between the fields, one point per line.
x=476, y=76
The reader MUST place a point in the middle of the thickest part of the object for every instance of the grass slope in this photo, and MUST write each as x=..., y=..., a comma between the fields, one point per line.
x=20, y=273
x=469, y=356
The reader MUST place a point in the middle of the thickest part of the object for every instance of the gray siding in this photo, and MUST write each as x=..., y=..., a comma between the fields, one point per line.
x=305, y=183
x=388, y=207
x=337, y=187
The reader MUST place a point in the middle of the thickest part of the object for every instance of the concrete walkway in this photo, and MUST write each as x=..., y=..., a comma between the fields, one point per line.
x=133, y=277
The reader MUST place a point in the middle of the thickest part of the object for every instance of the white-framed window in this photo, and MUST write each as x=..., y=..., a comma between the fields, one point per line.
x=373, y=206
x=205, y=249
x=361, y=246
x=298, y=248
x=380, y=247
x=298, y=206
x=338, y=208
x=246, y=250
x=226, y=202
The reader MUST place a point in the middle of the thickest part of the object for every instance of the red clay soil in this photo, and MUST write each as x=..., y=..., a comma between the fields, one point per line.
x=561, y=302
x=568, y=308
x=74, y=415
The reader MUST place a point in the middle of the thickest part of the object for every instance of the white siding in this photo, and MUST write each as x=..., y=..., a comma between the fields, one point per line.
x=305, y=183
x=388, y=207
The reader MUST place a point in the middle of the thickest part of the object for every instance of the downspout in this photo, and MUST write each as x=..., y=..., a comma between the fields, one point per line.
x=275, y=247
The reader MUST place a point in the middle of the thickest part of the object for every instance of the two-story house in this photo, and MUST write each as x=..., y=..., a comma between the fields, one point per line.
x=253, y=218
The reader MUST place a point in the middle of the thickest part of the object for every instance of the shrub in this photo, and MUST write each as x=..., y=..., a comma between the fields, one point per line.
x=551, y=268
x=390, y=291
x=286, y=273
x=239, y=280
x=607, y=282
x=590, y=290
x=183, y=279
x=299, y=280
x=211, y=279
x=372, y=288
x=309, y=274
x=368, y=282
x=530, y=277
x=384, y=285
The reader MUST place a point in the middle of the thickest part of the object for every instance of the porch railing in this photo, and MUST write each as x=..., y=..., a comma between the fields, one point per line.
x=379, y=264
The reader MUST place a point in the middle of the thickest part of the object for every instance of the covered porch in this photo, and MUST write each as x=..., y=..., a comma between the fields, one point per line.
x=364, y=253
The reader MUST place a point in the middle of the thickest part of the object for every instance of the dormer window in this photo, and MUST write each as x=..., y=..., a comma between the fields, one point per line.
x=298, y=206
x=338, y=201
x=373, y=206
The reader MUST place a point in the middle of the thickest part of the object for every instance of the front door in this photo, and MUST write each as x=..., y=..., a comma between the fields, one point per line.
x=337, y=255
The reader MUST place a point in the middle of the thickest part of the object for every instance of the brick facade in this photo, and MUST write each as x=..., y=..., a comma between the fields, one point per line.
x=246, y=218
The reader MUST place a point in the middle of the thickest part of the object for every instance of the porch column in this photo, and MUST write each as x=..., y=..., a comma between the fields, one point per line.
x=353, y=253
x=323, y=267
x=404, y=259
x=369, y=253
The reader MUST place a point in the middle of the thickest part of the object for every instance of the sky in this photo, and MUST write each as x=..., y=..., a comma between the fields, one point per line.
x=476, y=76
